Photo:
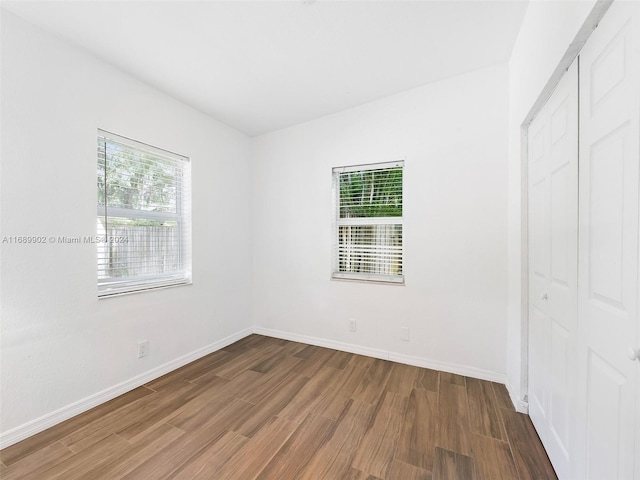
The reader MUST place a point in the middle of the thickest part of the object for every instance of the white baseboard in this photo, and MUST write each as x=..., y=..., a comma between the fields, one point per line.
x=37, y=425
x=49, y=420
x=520, y=405
x=386, y=355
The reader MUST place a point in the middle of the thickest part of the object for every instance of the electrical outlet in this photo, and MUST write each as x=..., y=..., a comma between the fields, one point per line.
x=352, y=324
x=143, y=348
x=404, y=334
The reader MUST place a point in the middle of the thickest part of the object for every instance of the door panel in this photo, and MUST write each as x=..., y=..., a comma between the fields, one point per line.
x=561, y=361
x=608, y=260
x=605, y=433
x=553, y=227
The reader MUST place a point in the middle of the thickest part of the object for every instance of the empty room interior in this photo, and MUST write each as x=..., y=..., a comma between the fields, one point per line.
x=315, y=239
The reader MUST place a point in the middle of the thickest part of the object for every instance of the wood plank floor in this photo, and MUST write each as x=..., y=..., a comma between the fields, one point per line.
x=265, y=408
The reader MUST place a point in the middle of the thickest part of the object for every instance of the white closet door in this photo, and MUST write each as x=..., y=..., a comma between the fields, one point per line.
x=608, y=259
x=553, y=242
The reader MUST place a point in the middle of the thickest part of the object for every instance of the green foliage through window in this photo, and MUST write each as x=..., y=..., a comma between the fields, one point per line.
x=371, y=193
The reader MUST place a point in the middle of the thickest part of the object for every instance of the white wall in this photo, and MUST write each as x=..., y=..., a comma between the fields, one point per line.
x=453, y=135
x=547, y=31
x=61, y=345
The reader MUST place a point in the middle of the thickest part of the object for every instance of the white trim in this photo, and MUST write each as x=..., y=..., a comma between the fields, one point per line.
x=369, y=277
x=520, y=405
x=467, y=371
x=120, y=212
x=117, y=289
x=518, y=393
x=372, y=221
x=369, y=166
x=50, y=419
x=130, y=142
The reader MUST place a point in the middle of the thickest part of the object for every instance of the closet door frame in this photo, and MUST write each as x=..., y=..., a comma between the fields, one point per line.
x=573, y=50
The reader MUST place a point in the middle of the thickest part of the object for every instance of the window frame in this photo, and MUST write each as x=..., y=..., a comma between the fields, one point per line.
x=113, y=286
x=378, y=278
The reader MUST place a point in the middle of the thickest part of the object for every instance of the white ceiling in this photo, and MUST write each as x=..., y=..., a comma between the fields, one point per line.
x=264, y=65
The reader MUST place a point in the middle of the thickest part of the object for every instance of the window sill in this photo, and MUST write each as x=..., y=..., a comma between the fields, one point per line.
x=141, y=289
x=345, y=277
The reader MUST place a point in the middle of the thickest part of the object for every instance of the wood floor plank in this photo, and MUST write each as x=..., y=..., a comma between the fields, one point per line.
x=270, y=362
x=163, y=409
x=291, y=348
x=483, y=412
x=192, y=370
x=20, y=450
x=404, y=471
x=361, y=361
x=76, y=466
x=41, y=459
x=244, y=362
x=334, y=407
x=298, y=450
x=299, y=406
x=272, y=405
x=453, y=431
x=374, y=381
x=260, y=388
x=428, y=380
x=416, y=445
x=402, y=379
x=211, y=460
x=254, y=456
x=122, y=418
x=503, y=400
x=316, y=395
x=334, y=459
x=219, y=415
x=246, y=343
x=132, y=457
x=328, y=464
x=279, y=342
x=339, y=360
x=379, y=443
x=307, y=352
x=171, y=458
x=236, y=387
x=450, y=465
x=355, y=474
x=492, y=459
x=351, y=426
x=311, y=366
x=530, y=457
x=452, y=379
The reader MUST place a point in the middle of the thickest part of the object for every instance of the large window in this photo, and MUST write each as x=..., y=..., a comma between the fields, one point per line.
x=143, y=224
x=368, y=222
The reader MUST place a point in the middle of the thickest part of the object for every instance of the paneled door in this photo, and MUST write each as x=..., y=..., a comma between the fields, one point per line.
x=553, y=259
x=608, y=247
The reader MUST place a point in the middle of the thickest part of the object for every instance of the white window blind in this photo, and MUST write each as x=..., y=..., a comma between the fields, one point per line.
x=368, y=222
x=143, y=223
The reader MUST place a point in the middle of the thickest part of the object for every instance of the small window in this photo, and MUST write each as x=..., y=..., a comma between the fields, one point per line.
x=368, y=222
x=143, y=224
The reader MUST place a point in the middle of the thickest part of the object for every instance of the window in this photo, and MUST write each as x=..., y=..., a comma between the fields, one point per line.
x=143, y=224
x=368, y=222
